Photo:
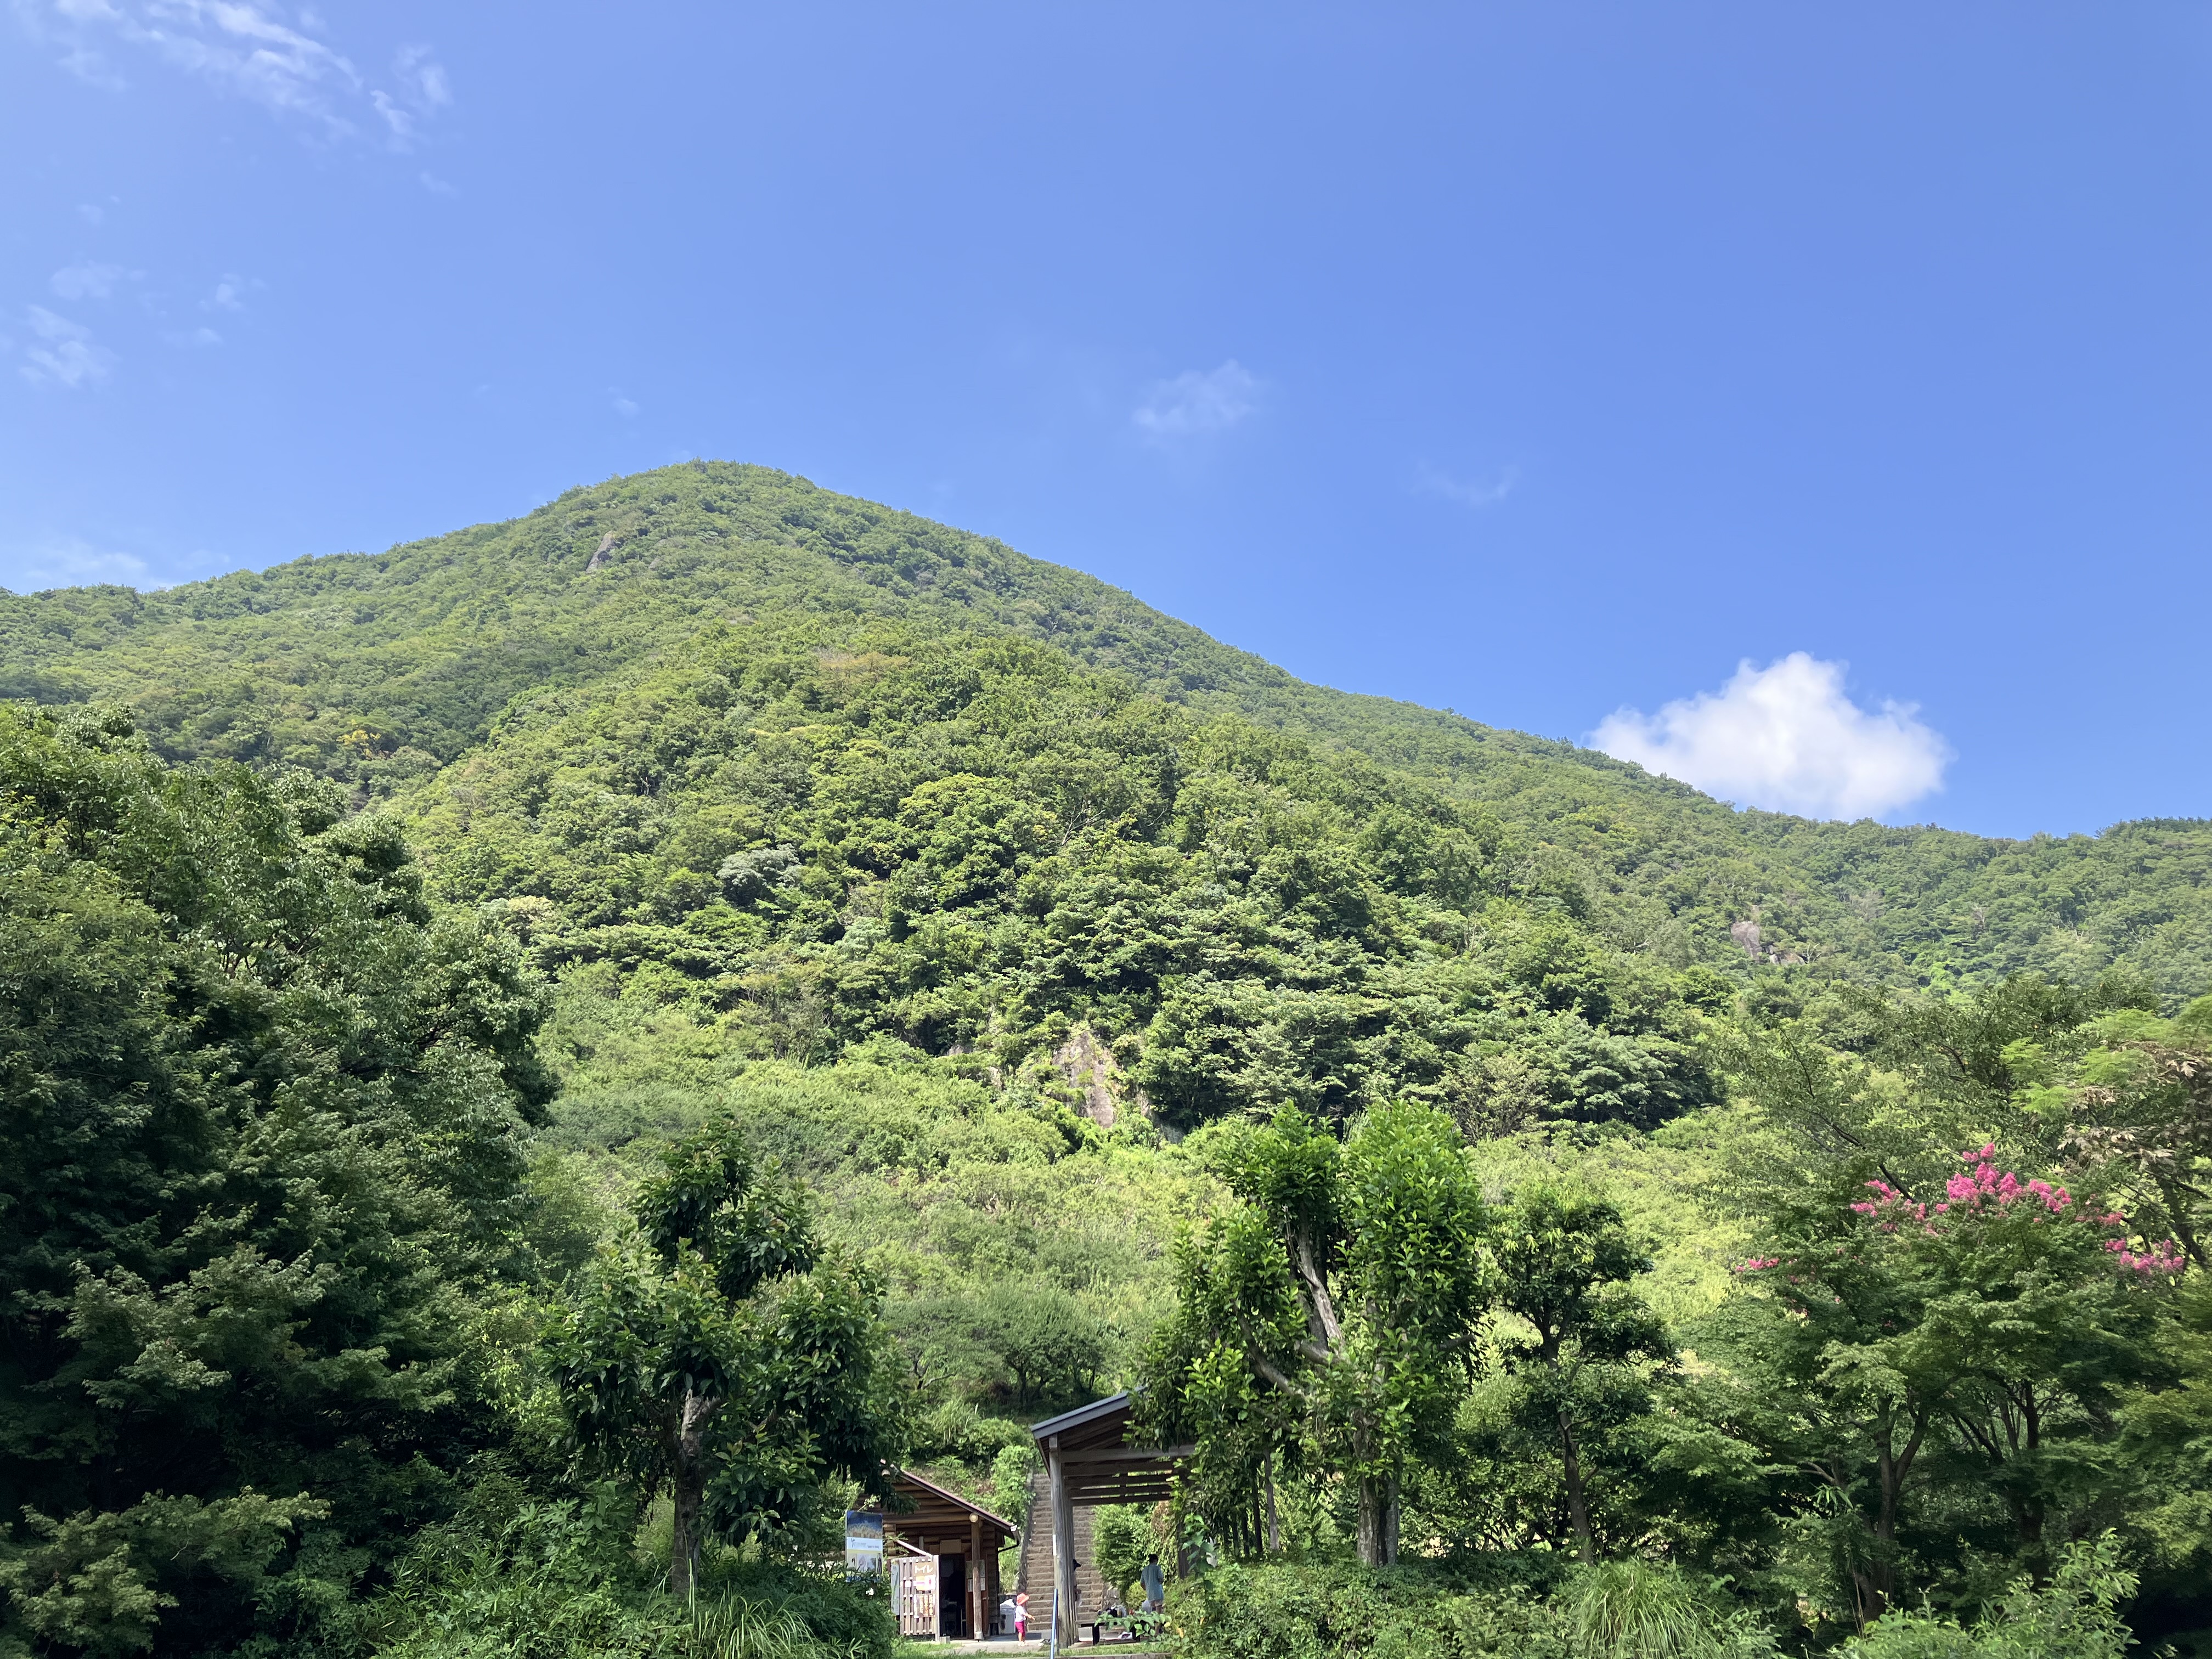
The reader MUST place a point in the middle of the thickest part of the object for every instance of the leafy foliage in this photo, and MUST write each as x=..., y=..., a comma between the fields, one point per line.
x=2076, y=1614
x=904, y=904
x=262, y=1141
x=1335, y=1306
x=724, y=1357
x=380, y=670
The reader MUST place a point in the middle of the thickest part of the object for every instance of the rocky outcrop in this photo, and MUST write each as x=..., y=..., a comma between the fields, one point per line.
x=1089, y=1075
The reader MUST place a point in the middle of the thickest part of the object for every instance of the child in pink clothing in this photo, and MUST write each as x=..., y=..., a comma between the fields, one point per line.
x=1021, y=1619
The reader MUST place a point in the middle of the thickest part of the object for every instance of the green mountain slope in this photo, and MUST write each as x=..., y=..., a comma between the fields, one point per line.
x=383, y=670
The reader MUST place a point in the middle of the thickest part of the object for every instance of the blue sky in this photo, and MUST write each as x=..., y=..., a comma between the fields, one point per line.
x=1549, y=363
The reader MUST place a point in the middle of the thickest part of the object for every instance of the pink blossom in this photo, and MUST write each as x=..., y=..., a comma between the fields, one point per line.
x=2163, y=1257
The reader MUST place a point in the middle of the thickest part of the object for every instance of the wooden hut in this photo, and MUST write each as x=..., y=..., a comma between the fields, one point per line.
x=964, y=1540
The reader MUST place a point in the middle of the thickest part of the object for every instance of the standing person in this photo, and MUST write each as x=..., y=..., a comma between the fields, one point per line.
x=1156, y=1585
x=1022, y=1618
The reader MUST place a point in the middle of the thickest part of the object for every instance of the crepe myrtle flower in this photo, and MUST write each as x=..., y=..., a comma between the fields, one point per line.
x=1983, y=1189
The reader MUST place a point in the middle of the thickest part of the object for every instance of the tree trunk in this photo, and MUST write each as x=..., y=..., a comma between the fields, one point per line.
x=690, y=1492
x=1877, y=1581
x=1274, y=1525
x=1577, y=1505
x=1378, y=1521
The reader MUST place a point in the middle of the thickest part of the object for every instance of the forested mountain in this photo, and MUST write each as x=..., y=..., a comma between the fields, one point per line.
x=535, y=1062
x=380, y=670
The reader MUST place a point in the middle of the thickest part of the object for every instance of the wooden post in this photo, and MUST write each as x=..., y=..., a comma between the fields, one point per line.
x=1063, y=1547
x=978, y=1626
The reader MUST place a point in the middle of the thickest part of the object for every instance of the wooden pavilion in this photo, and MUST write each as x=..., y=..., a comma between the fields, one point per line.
x=964, y=1541
x=1088, y=1461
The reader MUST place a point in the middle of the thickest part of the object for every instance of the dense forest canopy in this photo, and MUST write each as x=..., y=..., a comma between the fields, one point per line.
x=537, y=1062
x=382, y=669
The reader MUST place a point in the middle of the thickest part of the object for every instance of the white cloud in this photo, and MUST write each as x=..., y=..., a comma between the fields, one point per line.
x=86, y=279
x=248, y=50
x=1195, y=403
x=623, y=406
x=1786, y=738
x=193, y=336
x=65, y=354
x=1480, y=492
x=91, y=212
x=436, y=185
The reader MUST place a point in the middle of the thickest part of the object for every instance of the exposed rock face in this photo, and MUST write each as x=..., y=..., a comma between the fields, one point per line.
x=1088, y=1069
x=600, y=559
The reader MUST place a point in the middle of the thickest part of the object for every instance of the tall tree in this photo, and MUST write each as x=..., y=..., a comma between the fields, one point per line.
x=1341, y=1299
x=260, y=1150
x=1999, y=1321
x=2143, y=1114
x=723, y=1356
x=1564, y=1257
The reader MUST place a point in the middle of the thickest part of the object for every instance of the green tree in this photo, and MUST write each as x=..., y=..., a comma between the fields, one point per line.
x=2074, y=1615
x=1564, y=1257
x=2143, y=1114
x=260, y=1168
x=1998, y=1325
x=1121, y=1538
x=722, y=1356
x=1342, y=1296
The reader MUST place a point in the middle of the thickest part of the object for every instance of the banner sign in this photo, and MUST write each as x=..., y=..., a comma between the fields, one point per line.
x=864, y=1541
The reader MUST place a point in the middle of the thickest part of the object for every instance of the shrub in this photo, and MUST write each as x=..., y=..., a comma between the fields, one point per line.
x=1320, y=1610
x=518, y=1580
x=1640, y=1610
x=2074, y=1617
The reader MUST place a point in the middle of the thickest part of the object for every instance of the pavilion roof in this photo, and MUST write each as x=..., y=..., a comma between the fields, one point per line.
x=1092, y=1444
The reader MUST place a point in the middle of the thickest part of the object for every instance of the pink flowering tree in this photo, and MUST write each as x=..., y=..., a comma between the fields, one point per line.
x=1978, y=1337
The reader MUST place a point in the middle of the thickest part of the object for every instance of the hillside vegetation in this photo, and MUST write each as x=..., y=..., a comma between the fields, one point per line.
x=380, y=669
x=712, y=951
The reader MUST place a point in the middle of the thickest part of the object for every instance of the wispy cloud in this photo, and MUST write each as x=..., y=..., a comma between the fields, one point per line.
x=63, y=353
x=1486, y=491
x=86, y=280
x=190, y=337
x=230, y=292
x=71, y=562
x=1198, y=402
x=420, y=89
x=623, y=406
x=248, y=50
x=1787, y=738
